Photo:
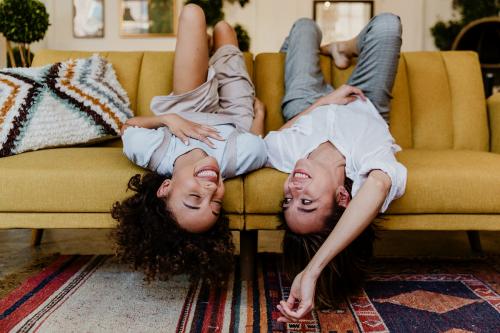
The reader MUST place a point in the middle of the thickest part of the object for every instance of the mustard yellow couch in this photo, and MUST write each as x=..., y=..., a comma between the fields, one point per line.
x=449, y=133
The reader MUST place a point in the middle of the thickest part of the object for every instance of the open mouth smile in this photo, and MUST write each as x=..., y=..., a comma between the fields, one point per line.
x=300, y=174
x=209, y=174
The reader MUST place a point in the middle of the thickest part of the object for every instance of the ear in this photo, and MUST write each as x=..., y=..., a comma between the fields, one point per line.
x=163, y=189
x=342, y=197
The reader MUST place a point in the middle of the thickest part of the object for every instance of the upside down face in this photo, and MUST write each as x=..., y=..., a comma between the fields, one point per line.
x=310, y=192
x=194, y=195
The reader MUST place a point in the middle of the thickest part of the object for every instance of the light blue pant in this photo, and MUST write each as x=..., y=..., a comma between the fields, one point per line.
x=379, y=45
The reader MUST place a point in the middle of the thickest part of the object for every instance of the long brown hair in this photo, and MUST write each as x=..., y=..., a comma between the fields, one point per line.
x=345, y=274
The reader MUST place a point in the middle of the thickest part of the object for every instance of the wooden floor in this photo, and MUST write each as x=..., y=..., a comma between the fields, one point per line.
x=15, y=250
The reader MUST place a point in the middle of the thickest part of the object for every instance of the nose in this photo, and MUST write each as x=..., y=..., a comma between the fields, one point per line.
x=209, y=186
x=296, y=183
x=295, y=187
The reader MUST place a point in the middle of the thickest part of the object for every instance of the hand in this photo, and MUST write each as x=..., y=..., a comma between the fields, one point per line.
x=259, y=109
x=303, y=289
x=185, y=129
x=123, y=128
x=343, y=95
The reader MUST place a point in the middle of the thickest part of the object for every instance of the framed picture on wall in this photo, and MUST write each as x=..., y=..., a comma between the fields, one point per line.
x=88, y=18
x=147, y=18
x=341, y=20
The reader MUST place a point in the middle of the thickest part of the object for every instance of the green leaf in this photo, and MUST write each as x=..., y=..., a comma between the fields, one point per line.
x=23, y=21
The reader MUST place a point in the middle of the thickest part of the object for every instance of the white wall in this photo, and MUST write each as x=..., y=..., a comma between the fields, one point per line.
x=267, y=21
x=60, y=33
x=434, y=10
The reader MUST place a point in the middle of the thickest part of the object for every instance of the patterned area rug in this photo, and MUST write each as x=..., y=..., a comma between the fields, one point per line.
x=96, y=294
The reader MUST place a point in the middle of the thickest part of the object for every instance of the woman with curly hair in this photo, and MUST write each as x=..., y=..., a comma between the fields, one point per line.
x=202, y=133
x=336, y=146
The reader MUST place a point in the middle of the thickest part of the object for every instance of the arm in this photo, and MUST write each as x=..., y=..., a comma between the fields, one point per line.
x=343, y=95
x=145, y=122
x=494, y=118
x=361, y=211
x=363, y=208
x=259, y=117
x=180, y=127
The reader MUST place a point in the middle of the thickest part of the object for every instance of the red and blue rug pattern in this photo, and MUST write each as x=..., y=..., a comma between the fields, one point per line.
x=96, y=294
x=398, y=302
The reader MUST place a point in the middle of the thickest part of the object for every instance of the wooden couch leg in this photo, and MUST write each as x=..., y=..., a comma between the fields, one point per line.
x=36, y=237
x=475, y=242
x=248, y=251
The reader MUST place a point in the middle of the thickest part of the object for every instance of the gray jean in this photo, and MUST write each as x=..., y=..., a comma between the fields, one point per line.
x=379, y=45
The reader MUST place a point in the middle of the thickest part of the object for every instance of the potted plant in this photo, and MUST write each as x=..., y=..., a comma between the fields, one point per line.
x=444, y=33
x=23, y=22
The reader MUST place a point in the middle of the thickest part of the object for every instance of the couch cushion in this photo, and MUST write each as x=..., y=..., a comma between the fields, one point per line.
x=155, y=79
x=264, y=191
x=76, y=180
x=449, y=181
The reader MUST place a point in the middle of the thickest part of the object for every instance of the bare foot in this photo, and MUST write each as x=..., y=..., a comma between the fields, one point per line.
x=338, y=51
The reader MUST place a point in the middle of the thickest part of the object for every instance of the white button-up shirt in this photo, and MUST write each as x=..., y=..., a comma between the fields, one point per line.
x=359, y=133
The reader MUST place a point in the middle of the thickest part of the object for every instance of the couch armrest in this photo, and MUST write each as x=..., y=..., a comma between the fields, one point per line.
x=494, y=119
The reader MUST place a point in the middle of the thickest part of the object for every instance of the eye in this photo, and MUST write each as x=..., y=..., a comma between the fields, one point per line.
x=306, y=202
x=194, y=198
x=286, y=201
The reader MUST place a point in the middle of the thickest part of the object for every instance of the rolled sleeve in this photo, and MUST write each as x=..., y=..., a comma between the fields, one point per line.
x=279, y=155
x=386, y=162
x=271, y=141
x=251, y=153
x=139, y=144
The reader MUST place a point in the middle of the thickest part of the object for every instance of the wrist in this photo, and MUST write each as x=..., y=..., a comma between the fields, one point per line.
x=166, y=119
x=259, y=115
x=320, y=102
x=313, y=271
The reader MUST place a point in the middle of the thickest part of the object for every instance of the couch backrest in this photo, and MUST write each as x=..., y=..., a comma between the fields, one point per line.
x=438, y=96
x=142, y=74
x=156, y=77
x=127, y=66
x=438, y=101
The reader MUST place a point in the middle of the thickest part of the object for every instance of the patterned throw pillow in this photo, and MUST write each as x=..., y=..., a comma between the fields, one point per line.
x=66, y=103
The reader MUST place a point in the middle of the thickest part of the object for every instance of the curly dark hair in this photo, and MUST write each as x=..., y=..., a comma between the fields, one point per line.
x=149, y=238
x=345, y=274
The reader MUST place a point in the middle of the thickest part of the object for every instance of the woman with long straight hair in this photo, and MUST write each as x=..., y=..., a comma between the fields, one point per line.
x=340, y=157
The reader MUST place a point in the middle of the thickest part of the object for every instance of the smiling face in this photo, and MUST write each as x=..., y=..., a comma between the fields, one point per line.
x=310, y=192
x=194, y=195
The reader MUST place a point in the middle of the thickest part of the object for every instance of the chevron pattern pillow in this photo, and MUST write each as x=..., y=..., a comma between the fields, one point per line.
x=67, y=103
